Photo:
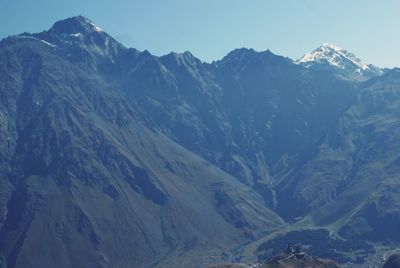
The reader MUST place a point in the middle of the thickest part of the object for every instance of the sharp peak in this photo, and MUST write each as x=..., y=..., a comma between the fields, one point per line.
x=331, y=46
x=327, y=50
x=240, y=54
x=242, y=49
x=178, y=57
x=339, y=58
x=248, y=51
x=78, y=18
x=245, y=50
x=75, y=24
x=186, y=54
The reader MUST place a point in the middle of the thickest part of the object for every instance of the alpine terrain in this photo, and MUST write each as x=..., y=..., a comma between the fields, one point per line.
x=114, y=157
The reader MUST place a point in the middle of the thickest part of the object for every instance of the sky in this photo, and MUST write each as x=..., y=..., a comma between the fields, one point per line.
x=209, y=29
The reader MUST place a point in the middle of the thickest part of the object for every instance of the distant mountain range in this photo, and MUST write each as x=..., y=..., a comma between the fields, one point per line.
x=114, y=157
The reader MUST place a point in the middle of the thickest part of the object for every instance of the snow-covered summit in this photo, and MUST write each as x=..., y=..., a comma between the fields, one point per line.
x=78, y=31
x=333, y=55
x=329, y=56
x=77, y=24
x=76, y=35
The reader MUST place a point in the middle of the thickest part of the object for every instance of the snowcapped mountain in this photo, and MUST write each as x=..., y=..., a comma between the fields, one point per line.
x=79, y=39
x=330, y=57
x=106, y=151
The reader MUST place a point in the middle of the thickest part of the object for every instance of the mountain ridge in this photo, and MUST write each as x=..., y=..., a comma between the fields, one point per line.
x=176, y=158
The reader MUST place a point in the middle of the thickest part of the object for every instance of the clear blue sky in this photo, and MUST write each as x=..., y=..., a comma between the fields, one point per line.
x=211, y=28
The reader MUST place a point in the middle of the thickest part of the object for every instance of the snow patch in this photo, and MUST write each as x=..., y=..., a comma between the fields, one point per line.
x=95, y=27
x=34, y=38
x=47, y=43
x=78, y=35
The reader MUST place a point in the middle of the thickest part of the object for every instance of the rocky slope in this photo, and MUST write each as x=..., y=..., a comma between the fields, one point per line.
x=86, y=180
x=365, y=145
x=107, y=150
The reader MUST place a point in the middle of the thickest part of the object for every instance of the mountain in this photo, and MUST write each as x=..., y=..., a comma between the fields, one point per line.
x=349, y=186
x=366, y=139
x=114, y=157
x=87, y=180
x=330, y=57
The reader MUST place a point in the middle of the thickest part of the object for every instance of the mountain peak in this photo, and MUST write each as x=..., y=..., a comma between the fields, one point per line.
x=329, y=56
x=80, y=32
x=330, y=46
x=76, y=30
x=73, y=25
x=240, y=54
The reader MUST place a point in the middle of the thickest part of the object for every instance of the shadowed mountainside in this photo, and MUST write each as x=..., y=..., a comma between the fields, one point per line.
x=84, y=174
x=107, y=150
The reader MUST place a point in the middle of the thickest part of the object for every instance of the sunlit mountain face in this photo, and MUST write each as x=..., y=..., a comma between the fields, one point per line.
x=331, y=57
x=114, y=157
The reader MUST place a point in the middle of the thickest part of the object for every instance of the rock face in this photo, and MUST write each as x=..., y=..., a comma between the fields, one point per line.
x=86, y=178
x=393, y=261
x=114, y=157
x=365, y=145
